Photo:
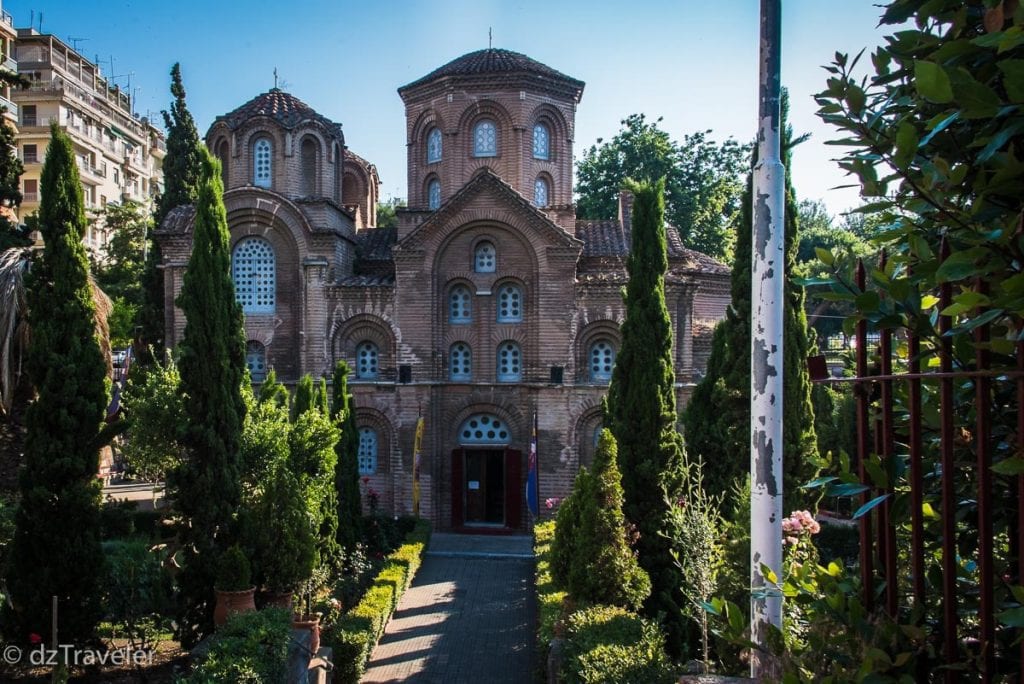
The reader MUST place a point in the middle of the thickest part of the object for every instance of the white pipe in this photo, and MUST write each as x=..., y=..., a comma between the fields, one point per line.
x=766, y=370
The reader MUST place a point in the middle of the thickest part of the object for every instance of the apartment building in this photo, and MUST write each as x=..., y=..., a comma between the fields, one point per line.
x=120, y=155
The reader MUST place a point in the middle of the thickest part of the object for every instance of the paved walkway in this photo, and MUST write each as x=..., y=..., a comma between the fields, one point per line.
x=469, y=615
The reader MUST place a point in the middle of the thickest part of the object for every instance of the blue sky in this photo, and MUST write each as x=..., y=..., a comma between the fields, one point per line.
x=693, y=63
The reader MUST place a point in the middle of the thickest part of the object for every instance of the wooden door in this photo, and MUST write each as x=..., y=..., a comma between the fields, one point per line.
x=515, y=488
x=458, y=487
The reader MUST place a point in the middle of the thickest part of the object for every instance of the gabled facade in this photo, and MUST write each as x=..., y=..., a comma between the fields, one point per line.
x=488, y=304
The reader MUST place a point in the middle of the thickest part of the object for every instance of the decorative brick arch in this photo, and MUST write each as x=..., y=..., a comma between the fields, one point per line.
x=346, y=335
x=590, y=333
x=254, y=209
x=479, y=402
x=590, y=416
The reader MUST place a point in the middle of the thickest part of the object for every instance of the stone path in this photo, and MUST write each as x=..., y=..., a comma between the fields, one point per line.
x=469, y=615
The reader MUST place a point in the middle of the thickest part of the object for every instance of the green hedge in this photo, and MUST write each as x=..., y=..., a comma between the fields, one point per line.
x=250, y=648
x=358, y=631
x=608, y=644
x=602, y=643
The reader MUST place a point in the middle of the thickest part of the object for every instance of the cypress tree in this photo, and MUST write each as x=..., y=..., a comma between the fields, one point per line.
x=303, y=397
x=182, y=169
x=641, y=412
x=603, y=569
x=205, y=488
x=346, y=474
x=56, y=548
x=717, y=417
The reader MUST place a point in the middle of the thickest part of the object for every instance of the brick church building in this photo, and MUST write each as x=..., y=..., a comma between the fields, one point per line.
x=489, y=303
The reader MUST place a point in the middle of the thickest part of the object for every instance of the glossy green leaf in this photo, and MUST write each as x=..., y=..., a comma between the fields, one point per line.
x=932, y=82
x=825, y=256
x=1013, y=78
x=1010, y=466
x=866, y=508
x=906, y=145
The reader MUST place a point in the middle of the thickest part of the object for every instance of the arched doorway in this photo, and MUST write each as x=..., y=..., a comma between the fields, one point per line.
x=486, y=486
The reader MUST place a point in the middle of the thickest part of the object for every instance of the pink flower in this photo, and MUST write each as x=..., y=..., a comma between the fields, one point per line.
x=552, y=502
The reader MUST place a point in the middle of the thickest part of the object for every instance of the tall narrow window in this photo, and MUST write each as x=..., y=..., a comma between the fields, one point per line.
x=367, y=453
x=261, y=167
x=485, y=258
x=434, y=145
x=510, y=362
x=540, y=192
x=459, y=305
x=256, y=361
x=541, y=142
x=309, y=150
x=485, y=139
x=223, y=154
x=367, y=356
x=510, y=304
x=460, y=361
x=254, y=273
x=602, y=360
x=434, y=194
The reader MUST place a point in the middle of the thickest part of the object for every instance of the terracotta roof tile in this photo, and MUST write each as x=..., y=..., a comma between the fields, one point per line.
x=374, y=244
x=608, y=239
x=283, y=107
x=494, y=61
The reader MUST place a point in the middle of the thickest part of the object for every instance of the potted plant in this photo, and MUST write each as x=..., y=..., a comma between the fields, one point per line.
x=283, y=536
x=234, y=586
x=304, y=617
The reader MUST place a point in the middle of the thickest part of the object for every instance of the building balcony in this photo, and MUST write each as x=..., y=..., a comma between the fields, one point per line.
x=12, y=109
x=10, y=64
x=7, y=18
x=29, y=197
x=89, y=170
x=31, y=159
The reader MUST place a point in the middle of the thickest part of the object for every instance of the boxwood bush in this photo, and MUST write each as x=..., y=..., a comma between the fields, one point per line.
x=250, y=648
x=611, y=644
x=357, y=632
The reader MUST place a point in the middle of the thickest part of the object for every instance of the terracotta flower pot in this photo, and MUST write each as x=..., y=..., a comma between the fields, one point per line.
x=282, y=599
x=312, y=623
x=231, y=602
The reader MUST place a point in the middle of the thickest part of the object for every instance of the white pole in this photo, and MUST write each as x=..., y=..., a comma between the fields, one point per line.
x=767, y=281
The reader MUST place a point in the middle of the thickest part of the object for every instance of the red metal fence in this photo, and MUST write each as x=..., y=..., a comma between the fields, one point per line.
x=938, y=457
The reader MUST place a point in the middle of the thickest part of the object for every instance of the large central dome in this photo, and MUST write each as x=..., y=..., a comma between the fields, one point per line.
x=491, y=62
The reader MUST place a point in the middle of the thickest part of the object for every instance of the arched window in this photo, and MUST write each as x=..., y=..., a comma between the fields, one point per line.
x=540, y=192
x=434, y=194
x=309, y=149
x=434, y=145
x=367, y=453
x=602, y=360
x=541, y=142
x=460, y=362
x=510, y=362
x=261, y=167
x=256, y=360
x=223, y=154
x=254, y=273
x=485, y=259
x=485, y=139
x=510, y=304
x=367, y=357
x=460, y=308
x=484, y=428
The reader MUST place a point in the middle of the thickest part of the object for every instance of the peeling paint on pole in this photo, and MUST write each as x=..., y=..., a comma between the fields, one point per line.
x=767, y=297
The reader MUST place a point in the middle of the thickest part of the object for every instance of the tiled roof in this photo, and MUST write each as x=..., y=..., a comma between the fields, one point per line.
x=283, y=107
x=179, y=219
x=608, y=239
x=494, y=61
x=374, y=244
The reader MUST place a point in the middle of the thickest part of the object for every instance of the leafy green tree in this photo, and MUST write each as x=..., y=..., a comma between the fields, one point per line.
x=346, y=475
x=717, y=417
x=120, y=270
x=703, y=180
x=603, y=569
x=11, y=169
x=183, y=178
x=156, y=413
x=56, y=549
x=205, y=488
x=641, y=412
x=386, y=212
x=303, y=396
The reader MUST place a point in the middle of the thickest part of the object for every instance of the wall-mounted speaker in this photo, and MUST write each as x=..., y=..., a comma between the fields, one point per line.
x=557, y=375
x=405, y=374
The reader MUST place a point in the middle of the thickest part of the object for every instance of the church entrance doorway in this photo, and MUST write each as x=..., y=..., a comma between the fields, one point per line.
x=486, y=487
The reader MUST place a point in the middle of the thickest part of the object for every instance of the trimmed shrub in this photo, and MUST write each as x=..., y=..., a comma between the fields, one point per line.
x=358, y=631
x=549, y=596
x=250, y=648
x=602, y=567
x=565, y=531
x=610, y=644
